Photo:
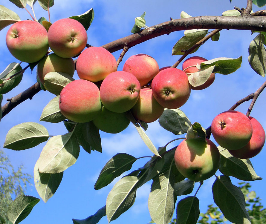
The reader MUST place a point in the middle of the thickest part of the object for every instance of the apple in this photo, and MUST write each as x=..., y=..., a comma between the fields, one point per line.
x=254, y=145
x=171, y=88
x=95, y=63
x=196, y=159
x=67, y=37
x=54, y=63
x=143, y=66
x=111, y=122
x=119, y=91
x=27, y=41
x=80, y=101
x=192, y=65
x=231, y=129
x=147, y=108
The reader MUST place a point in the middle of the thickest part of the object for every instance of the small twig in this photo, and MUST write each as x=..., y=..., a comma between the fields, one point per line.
x=125, y=49
x=34, y=19
x=201, y=183
x=248, y=9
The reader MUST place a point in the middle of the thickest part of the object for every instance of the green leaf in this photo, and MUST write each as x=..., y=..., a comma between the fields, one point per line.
x=93, y=219
x=199, y=78
x=25, y=135
x=59, y=153
x=196, y=131
x=140, y=21
x=241, y=169
x=190, y=38
x=117, y=165
x=230, y=200
x=232, y=12
x=259, y=3
x=187, y=210
x=216, y=37
x=7, y=17
x=85, y=19
x=175, y=121
x=20, y=208
x=54, y=82
x=19, y=3
x=46, y=184
x=223, y=66
x=184, y=15
x=257, y=55
x=45, y=4
x=184, y=187
x=51, y=112
x=31, y=2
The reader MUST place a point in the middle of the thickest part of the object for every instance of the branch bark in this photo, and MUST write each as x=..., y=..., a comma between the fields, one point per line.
x=257, y=23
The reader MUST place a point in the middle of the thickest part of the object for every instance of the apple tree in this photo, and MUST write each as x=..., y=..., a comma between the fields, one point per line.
x=106, y=99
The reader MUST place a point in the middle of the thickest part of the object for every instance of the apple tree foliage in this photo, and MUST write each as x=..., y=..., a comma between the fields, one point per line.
x=62, y=151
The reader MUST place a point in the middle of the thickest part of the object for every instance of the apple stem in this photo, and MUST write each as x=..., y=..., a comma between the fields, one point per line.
x=34, y=19
x=125, y=49
x=173, y=141
x=201, y=183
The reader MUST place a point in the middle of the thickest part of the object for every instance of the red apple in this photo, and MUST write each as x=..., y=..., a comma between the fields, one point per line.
x=143, y=66
x=119, y=91
x=147, y=108
x=171, y=88
x=192, y=65
x=27, y=41
x=196, y=159
x=231, y=129
x=80, y=101
x=54, y=63
x=254, y=145
x=67, y=37
x=95, y=63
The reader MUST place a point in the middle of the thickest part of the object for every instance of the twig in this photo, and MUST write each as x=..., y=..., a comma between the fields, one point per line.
x=125, y=49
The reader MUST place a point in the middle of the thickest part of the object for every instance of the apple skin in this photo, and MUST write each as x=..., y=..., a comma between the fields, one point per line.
x=254, y=145
x=196, y=159
x=80, y=101
x=143, y=66
x=27, y=41
x=231, y=129
x=111, y=122
x=119, y=91
x=54, y=63
x=171, y=88
x=67, y=37
x=95, y=63
x=147, y=108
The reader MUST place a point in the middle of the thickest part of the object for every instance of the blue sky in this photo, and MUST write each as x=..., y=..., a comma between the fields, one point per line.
x=76, y=197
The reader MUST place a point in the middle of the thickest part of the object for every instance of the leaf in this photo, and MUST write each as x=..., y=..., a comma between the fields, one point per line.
x=85, y=19
x=7, y=17
x=216, y=37
x=93, y=219
x=257, y=55
x=232, y=12
x=223, y=65
x=259, y=3
x=184, y=187
x=9, y=82
x=31, y=2
x=238, y=168
x=51, y=112
x=25, y=135
x=184, y=15
x=45, y=4
x=175, y=121
x=230, y=200
x=196, y=131
x=140, y=21
x=59, y=153
x=187, y=210
x=19, y=3
x=20, y=208
x=199, y=78
x=117, y=165
x=46, y=184
x=54, y=82
x=190, y=38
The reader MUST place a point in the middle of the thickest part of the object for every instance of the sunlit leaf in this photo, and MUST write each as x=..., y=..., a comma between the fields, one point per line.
x=19, y=3
x=199, y=78
x=85, y=19
x=25, y=135
x=31, y=2
x=7, y=17
x=196, y=131
x=45, y=4
x=184, y=15
x=140, y=21
x=232, y=12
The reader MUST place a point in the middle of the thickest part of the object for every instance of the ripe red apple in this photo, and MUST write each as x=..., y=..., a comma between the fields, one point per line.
x=80, y=101
x=27, y=41
x=119, y=91
x=192, y=65
x=54, y=63
x=231, y=129
x=111, y=122
x=67, y=37
x=171, y=88
x=196, y=159
x=95, y=63
x=143, y=66
x=254, y=145
x=147, y=108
